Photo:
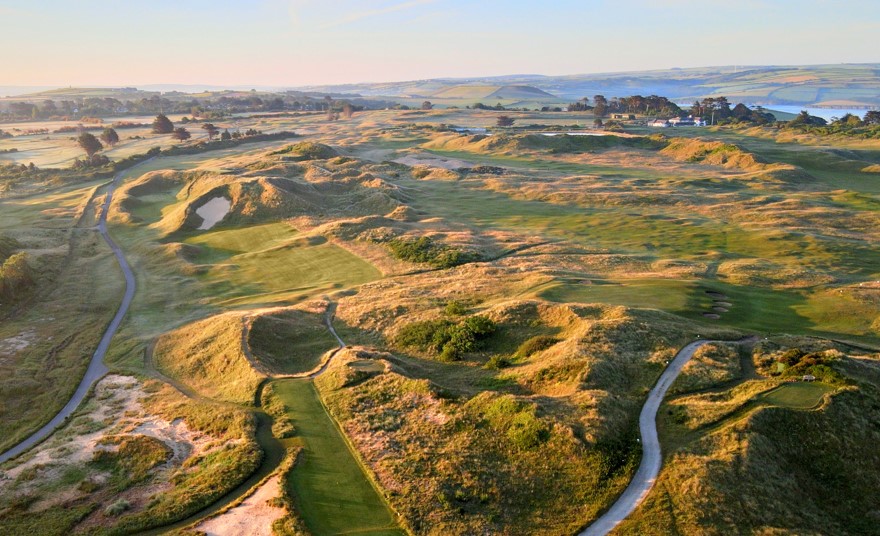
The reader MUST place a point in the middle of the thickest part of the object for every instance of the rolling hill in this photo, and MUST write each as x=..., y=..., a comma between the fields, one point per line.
x=843, y=85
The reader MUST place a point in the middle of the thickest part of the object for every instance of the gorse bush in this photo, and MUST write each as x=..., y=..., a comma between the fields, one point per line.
x=449, y=339
x=16, y=277
x=133, y=460
x=517, y=420
x=425, y=250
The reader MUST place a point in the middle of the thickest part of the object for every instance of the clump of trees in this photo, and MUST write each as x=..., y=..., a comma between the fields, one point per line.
x=448, y=339
x=635, y=104
x=504, y=121
x=867, y=127
x=91, y=145
x=211, y=130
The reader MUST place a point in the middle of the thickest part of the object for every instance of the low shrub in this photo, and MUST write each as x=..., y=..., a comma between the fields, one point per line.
x=425, y=250
x=449, y=339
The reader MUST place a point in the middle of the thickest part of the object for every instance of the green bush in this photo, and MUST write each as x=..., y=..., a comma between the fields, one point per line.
x=497, y=362
x=535, y=344
x=449, y=339
x=425, y=250
x=517, y=420
x=16, y=277
x=455, y=308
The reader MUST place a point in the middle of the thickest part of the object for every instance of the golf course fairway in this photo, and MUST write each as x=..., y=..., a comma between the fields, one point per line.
x=333, y=494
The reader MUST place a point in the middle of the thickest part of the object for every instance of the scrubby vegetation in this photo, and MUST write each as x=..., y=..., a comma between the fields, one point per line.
x=445, y=338
x=426, y=250
x=308, y=150
x=794, y=362
x=16, y=278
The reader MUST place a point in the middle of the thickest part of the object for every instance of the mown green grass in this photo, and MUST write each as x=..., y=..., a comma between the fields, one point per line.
x=756, y=309
x=670, y=295
x=331, y=491
x=800, y=395
x=265, y=264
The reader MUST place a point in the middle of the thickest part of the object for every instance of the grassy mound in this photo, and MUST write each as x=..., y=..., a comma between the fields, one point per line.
x=759, y=444
x=207, y=355
x=503, y=144
x=714, y=153
x=289, y=342
x=308, y=150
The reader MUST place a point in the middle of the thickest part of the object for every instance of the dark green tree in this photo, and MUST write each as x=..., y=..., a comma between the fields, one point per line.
x=226, y=136
x=89, y=143
x=211, y=129
x=504, y=121
x=181, y=134
x=110, y=137
x=162, y=125
x=872, y=117
x=600, y=106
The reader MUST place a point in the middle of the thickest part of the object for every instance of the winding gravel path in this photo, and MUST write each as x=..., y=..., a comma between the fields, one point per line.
x=96, y=368
x=649, y=468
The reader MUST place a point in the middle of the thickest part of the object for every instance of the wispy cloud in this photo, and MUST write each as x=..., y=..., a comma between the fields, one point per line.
x=360, y=15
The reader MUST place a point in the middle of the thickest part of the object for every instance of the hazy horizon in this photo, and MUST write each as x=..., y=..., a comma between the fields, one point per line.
x=296, y=43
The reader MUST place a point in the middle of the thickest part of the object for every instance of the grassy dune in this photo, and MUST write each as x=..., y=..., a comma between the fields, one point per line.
x=785, y=449
x=289, y=342
x=208, y=356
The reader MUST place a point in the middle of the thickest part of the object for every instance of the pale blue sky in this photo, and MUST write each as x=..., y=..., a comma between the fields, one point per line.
x=300, y=42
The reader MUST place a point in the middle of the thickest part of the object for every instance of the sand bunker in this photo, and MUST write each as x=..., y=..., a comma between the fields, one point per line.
x=253, y=517
x=422, y=159
x=213, y=211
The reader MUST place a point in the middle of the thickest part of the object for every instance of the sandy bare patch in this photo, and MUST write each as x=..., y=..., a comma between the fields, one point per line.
x=213, y=211
x=116, y=409
x=13, y=345
x=425, y=159
x=253, y=517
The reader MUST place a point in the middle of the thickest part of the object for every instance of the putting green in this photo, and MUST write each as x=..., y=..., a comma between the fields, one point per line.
x=267, y=263
x=332, y=493
x=800, y=395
